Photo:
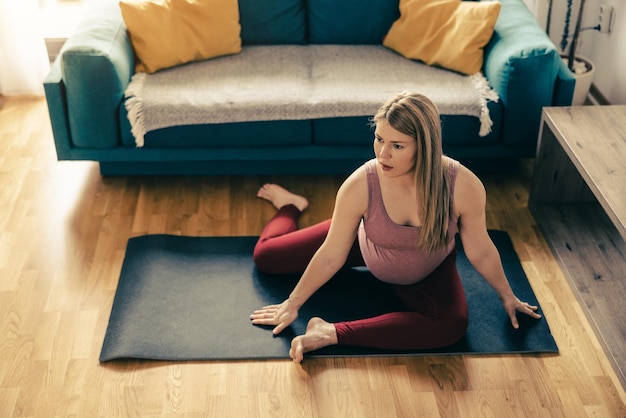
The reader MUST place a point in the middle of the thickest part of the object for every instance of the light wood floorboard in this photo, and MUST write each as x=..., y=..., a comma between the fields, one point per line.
x=63, y=233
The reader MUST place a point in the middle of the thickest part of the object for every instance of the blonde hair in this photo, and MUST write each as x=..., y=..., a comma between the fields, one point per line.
x=416, y=115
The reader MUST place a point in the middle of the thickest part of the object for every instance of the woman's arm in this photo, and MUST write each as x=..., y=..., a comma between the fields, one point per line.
x=470, y=199
x=350, y=206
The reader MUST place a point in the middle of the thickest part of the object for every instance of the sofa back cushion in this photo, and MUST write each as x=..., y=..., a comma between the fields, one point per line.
x=350, y=21
x=272, y=22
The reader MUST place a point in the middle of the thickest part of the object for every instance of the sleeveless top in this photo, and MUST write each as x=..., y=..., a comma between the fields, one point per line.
x=391, y=251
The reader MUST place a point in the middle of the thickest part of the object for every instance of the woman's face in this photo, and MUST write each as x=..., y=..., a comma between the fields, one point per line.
x=395, y=151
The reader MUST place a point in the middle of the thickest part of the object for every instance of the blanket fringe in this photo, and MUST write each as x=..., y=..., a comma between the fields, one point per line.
x=486, y=93
x=134, y=108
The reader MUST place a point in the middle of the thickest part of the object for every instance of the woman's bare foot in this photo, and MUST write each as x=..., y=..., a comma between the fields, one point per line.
x=319, y=333
x=280, y=197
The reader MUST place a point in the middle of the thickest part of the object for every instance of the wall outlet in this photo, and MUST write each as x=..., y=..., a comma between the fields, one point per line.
x=606, y=18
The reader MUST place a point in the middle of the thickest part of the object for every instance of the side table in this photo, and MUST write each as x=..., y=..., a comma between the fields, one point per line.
x=578, y=200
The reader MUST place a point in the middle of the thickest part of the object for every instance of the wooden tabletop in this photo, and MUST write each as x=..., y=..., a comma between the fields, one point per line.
x=594, y=138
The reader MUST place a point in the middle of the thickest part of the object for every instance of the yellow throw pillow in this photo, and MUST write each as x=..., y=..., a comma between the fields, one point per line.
x=446, y=33
x=167, y=33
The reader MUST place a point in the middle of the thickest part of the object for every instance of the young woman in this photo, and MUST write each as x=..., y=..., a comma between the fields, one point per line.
x=396, y=214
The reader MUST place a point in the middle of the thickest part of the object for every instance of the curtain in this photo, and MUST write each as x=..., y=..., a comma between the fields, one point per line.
x=24, y=59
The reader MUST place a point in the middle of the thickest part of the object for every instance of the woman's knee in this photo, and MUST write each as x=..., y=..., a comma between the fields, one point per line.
x=272, y=259
x=264, y=259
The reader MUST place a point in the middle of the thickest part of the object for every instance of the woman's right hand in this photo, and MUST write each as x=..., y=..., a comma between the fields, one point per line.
x=281, y=315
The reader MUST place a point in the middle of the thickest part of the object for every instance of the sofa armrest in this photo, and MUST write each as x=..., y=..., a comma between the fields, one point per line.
x=521, y=64
x=96, y=64
x=57, y=109
x=563, y=86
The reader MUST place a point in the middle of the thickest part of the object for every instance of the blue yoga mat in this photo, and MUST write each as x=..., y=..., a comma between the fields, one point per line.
x=189, y=298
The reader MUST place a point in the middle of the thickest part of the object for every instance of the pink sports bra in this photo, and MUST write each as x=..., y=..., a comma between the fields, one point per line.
x=391, y=251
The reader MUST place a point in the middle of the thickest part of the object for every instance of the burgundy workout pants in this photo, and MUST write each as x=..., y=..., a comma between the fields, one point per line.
x=435, y=309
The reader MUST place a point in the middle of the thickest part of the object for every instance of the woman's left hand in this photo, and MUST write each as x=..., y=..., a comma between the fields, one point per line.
x=512, y=305
x=281, y=315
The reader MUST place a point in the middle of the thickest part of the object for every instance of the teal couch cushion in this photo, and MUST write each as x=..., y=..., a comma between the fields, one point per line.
x=462, y=130
x=350, y=21
x=456, y=130
x=272, y=22
x=355, y=130
x=96, y=64
x=251, y=135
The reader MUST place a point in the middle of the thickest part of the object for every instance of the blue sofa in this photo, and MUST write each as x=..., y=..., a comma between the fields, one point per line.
x=86, y=85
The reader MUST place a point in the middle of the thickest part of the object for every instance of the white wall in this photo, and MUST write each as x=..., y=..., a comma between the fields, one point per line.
x=606, y=50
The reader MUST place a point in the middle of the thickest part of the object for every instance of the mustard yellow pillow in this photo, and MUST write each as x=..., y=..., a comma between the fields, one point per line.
x=446, y=33
x=165, y=33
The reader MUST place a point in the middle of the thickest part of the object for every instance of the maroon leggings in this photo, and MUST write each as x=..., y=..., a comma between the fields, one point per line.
x=435, y=312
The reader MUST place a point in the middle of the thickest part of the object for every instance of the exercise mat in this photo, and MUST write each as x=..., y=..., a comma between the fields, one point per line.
x=190, y=298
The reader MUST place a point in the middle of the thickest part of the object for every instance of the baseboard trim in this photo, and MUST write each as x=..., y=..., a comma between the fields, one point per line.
x=596, y=97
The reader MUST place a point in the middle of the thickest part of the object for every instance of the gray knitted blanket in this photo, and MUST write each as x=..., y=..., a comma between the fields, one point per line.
x=286, y=82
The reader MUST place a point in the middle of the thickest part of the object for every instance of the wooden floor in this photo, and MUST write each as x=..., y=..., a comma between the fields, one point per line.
x=63, y=233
